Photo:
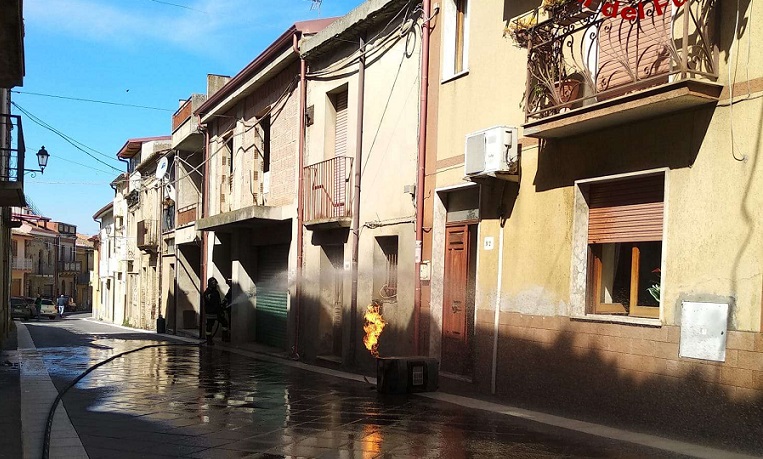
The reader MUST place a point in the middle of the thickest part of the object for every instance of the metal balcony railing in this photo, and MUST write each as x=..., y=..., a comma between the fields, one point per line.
x=69, y=266
x=581, y=55
x=328, y=188
x=12, y=149
x=23, y=264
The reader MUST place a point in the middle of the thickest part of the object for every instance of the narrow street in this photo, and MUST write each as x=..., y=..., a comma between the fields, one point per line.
x=182, y=400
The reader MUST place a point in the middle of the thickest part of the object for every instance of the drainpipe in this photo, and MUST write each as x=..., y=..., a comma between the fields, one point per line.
x=356, y=199
x=497, y=312
x=300, y=192
x=425, y=30
x=204, y=235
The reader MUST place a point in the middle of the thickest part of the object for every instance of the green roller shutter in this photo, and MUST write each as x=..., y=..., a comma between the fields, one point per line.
x=272, y=286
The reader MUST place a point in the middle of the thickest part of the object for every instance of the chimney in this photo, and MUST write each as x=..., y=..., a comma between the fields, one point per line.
x=215, y=82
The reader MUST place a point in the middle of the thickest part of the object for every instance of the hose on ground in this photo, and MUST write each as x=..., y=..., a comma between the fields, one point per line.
x=52, y=412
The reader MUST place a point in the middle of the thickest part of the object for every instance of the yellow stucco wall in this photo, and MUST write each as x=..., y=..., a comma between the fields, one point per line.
x=713, y=242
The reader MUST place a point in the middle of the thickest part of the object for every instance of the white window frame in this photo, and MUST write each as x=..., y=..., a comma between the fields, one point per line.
x=448, y=60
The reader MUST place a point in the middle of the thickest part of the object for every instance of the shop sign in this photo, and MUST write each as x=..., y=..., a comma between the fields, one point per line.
x=631, y=12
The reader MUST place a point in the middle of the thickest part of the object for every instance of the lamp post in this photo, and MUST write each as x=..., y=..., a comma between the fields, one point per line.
x=42, y=161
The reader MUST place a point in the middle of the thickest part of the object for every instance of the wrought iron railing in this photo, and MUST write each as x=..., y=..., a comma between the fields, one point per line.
x=69, y=266
x=580, y=55
x=328, y=188
x=12, y=149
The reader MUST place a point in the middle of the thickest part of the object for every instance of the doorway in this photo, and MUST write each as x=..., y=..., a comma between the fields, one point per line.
x=332, y=293
x=458, y=298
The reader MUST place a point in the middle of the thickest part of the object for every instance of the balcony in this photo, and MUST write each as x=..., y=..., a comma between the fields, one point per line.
x=187, y=215
x=12, y=152
x=185, y=132
x=22, y=264
x=590, y=68
x=12, y=43
x=328, y=188
x=69, y=267
x=148, y=235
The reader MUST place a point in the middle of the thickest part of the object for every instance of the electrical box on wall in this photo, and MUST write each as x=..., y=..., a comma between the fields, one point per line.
x=425, y=271
x=492, y=152
x=704, y=330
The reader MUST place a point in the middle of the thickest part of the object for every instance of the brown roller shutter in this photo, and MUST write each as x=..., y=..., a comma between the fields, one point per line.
x=637, y=49
x=628, y=210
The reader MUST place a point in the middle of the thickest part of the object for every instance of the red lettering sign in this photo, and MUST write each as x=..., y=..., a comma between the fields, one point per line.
x=613, y=9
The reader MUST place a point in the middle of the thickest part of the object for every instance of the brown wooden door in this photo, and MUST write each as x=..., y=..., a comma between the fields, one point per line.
x=456, y=302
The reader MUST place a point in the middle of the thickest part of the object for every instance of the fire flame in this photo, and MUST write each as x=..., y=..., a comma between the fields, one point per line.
x=373, y=327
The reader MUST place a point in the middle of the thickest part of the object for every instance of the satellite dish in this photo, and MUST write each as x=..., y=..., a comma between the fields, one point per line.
x=135, y=179
x=161, y=168
x=169, y=191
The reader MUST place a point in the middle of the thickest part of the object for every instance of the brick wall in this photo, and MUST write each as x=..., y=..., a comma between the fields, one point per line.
x=628, y=375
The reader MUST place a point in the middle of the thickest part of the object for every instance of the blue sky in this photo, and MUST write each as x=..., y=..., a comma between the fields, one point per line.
x=137, y=52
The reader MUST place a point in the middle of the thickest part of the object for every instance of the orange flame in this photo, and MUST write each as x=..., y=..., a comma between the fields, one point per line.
x=373, y=327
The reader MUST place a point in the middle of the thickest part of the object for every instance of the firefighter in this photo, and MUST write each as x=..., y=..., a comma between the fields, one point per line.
x=214, y=311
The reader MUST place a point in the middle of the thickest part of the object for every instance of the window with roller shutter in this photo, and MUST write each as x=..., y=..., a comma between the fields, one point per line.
x=625, y=233
x=340, y=149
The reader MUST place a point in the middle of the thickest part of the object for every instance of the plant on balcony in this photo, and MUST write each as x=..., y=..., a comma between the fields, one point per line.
x=520, y=28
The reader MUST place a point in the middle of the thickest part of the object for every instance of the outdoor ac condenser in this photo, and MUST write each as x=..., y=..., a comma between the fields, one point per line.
x=492, y=152
x=402, y=375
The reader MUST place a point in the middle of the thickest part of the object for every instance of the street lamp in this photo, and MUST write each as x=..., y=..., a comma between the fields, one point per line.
x=42, y=161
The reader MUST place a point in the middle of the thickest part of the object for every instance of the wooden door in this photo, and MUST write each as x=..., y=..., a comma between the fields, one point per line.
x=456, y=302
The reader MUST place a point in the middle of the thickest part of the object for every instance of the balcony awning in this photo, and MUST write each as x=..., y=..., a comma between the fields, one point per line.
x=248, y=217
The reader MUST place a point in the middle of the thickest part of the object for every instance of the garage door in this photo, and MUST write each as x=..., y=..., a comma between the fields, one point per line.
x=272, y=285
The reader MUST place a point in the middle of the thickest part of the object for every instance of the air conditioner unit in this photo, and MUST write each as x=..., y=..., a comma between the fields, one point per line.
x=492, y=152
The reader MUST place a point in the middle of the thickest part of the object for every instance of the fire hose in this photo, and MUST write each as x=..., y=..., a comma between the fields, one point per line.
x=59, y=397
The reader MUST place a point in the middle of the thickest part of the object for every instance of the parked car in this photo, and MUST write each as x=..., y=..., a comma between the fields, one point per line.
x=22, y=308
x=48, y=309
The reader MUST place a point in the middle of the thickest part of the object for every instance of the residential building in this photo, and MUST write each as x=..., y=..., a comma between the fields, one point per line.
x=359, y=181
x=615, y=274
x=139, y=197
x=250, y=219
x=108, y=250
x=84, y=260
x=96, y=307
x=188, y=144
x=21, y=261
x=67, y=266
x=12, y=147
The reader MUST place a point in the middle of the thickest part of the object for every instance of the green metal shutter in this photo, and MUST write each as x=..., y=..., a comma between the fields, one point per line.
x=272, y=298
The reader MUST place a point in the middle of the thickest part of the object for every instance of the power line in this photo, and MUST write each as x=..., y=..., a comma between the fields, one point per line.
x=95, y=101
x=179, y=6
x=76, y=144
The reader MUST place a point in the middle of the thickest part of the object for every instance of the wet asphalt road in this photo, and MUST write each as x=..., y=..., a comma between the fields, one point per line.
x=199, y=402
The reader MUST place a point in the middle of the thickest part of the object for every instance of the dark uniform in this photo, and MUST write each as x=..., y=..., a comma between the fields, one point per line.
x=214, y=311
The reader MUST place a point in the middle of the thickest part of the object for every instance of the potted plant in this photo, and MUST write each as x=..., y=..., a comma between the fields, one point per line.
x=520, y=27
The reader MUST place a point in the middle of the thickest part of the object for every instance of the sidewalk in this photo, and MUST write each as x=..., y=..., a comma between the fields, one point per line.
x=249, y=406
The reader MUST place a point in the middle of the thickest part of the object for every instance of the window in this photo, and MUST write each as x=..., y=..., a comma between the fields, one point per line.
x=339, y=101
x=456, y=38
x=14, y=248
x=265, y=133
x=385, y=271
x=625, y=220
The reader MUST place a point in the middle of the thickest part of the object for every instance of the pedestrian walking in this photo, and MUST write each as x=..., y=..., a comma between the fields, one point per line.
x=214, y=311
x=61, y=303
x=38, y=306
